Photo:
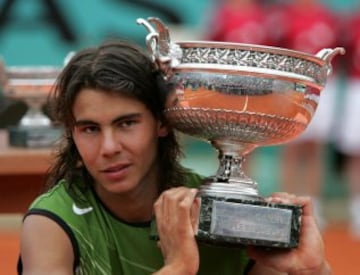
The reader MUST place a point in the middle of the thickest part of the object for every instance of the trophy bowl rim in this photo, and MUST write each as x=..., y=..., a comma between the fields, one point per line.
x=251, y=47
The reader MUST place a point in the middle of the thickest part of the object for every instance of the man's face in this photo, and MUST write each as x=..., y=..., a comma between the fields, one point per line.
x=117, y=139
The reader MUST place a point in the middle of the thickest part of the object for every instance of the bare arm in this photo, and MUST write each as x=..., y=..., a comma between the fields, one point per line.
x=45, y=247
x=176, y=213
x=307, y=259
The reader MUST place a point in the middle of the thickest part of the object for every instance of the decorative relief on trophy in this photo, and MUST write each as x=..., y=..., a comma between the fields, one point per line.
x=32, y=85
x=239, y=97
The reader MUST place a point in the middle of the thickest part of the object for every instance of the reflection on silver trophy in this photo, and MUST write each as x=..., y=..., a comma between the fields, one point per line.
x=239, y=97
x=32, y=85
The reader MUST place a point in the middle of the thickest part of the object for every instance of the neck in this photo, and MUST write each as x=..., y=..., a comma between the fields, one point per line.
x=133, y=206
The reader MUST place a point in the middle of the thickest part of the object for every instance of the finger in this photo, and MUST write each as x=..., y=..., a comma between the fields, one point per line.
x=188, y=206
x=167, y=202
x=176, y=199
x=180, y=195
x=159, y=216
x=195, y=213
x=304, y=202
x=284, y=198
x=158, y=206
x=174, y=206
x=188, y=197
x=281, y=197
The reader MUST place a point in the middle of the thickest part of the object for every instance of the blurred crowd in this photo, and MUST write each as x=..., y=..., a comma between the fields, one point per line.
x=308, y=26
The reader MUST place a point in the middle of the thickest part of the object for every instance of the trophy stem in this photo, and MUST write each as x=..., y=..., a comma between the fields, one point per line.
x=230, y=179
x=231, y=170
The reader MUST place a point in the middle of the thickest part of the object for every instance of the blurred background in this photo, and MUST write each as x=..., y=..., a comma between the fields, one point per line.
x=324, y=163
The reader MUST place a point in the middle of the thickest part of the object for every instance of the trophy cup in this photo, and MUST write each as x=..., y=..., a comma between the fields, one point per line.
x=31, y=85
x=239, y=97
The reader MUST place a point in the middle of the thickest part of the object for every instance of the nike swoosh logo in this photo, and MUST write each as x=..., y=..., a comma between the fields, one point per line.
x=81, y=211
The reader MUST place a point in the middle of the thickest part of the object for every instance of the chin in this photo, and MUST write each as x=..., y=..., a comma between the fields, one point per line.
x=118, y=187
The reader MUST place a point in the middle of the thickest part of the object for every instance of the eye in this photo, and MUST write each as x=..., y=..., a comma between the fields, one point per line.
x=127, y=123
x=89, y=129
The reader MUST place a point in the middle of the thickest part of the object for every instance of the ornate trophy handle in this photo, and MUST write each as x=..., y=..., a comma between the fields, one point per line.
x=328, y=54
x=164, y=53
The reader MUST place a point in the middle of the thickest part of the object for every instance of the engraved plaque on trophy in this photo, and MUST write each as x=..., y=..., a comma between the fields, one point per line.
x=32, y=85
x=239, y=97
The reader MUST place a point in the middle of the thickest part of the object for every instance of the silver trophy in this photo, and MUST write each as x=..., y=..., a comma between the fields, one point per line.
x=32, y=85
x=239, y=97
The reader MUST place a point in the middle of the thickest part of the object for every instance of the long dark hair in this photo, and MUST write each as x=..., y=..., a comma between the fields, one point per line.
x=117, y=67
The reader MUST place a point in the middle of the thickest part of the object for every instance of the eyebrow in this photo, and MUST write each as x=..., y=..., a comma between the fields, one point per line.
x=130, y=116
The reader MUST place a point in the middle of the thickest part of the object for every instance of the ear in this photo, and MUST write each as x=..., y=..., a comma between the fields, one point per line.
x=163, y=130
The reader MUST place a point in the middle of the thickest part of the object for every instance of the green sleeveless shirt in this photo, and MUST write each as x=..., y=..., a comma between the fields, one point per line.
x=103, y=244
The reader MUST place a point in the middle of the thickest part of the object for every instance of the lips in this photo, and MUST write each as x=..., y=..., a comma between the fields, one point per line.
x=115, y=168
x=116, y=172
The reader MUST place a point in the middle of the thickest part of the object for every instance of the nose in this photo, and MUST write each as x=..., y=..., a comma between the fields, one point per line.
x=111, y=144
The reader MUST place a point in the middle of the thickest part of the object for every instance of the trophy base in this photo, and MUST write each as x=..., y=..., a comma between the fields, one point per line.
x=236, y=222
x=34, y=137
x=240, y=222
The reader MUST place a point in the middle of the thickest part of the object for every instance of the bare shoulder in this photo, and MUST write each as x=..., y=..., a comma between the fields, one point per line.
x=45, y=247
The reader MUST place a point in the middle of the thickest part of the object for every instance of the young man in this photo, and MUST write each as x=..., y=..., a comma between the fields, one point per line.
x=118, y=166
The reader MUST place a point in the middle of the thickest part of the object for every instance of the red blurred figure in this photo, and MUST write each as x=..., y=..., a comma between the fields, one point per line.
x=348, y=134
x=241, y=21
x=310, y=26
